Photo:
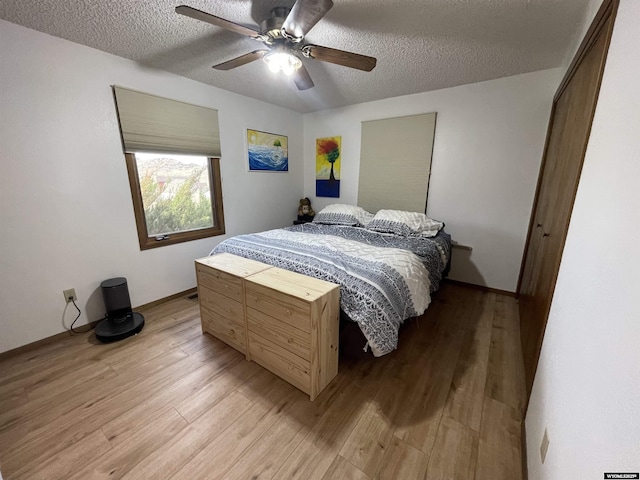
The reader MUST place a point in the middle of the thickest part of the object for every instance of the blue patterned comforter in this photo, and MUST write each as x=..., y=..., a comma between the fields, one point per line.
x=384, y=279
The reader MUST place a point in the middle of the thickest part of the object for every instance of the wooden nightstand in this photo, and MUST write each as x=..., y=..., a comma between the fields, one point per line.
x=303, y=219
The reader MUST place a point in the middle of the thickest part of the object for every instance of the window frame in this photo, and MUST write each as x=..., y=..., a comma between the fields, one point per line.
x=147, y=242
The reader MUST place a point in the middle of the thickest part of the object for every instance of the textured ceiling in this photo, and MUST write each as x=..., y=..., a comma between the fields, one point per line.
x=420, y=45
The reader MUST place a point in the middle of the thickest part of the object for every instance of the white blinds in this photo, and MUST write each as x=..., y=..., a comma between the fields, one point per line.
x=154, y=124
x=395, y=163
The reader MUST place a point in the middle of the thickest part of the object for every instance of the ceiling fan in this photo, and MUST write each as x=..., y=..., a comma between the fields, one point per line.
x=283, y=36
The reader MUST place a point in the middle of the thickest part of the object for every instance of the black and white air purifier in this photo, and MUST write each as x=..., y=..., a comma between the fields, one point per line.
x=121, y=321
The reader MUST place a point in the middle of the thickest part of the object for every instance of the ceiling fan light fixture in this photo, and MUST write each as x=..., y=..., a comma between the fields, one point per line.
x=282, y=62
x=283, y=34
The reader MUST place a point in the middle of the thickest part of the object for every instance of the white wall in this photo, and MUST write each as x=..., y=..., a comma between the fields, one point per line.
x=590, y=10
x=587, y=387
x=488, y=147
x=66, y=218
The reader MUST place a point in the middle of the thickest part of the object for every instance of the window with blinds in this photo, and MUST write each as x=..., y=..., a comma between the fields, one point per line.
x=172, y=152
x=395, y=163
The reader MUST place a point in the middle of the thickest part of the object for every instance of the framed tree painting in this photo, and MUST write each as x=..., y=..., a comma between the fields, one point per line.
x=267, y=152
x=328, y=166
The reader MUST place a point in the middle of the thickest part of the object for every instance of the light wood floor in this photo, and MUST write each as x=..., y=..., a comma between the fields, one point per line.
x=173, y=403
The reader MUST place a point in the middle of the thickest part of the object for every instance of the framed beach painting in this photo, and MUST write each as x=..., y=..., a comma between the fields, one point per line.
x=267, y=152
x=328, y=152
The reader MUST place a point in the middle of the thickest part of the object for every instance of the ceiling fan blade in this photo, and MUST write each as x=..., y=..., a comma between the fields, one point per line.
x=302, y=79
x=304, y=15
x=241, y=60
x=340, y=57
x=217, y=21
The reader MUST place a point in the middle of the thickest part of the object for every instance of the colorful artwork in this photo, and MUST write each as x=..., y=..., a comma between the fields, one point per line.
x=328, y=167
x=267, y=152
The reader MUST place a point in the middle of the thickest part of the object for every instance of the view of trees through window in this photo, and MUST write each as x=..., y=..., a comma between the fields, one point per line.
x=176, y=193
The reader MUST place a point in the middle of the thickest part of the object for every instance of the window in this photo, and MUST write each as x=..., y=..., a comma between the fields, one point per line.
x=172, y=151
x=176, y=198
x=395, y=163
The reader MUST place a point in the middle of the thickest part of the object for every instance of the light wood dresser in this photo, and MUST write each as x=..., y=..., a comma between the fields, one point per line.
x=293, y=327
x=221, y=296
x=285, y=321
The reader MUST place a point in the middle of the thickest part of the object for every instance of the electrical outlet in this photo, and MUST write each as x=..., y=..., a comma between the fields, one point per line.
x=544, y=446
x=69, y=294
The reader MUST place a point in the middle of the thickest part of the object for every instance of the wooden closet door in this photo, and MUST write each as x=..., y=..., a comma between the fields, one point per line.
x=569, y=128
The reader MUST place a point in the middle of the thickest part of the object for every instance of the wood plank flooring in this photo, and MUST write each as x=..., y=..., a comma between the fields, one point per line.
x=172, y=403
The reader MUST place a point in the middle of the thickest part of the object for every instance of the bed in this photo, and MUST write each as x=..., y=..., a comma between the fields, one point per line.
x=386, y=270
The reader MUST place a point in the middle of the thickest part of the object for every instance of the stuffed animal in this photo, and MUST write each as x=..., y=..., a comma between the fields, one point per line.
x=305, y=212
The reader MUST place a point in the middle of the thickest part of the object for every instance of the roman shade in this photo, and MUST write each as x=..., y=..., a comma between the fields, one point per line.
x=395, y=163
x=155, y=124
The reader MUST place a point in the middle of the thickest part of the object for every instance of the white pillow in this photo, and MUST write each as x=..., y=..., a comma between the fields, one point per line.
x=406, y=224
x=342, y=214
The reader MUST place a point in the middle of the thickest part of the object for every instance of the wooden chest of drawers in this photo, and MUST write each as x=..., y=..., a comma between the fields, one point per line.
x=286, y=322
x=221, y=296
x=292, y=325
